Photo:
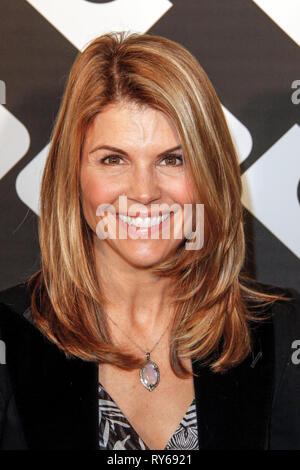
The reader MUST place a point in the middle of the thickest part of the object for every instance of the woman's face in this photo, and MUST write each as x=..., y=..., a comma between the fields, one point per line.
x=134, y=151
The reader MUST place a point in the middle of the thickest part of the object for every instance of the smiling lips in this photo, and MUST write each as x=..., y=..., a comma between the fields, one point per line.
x=143, y=222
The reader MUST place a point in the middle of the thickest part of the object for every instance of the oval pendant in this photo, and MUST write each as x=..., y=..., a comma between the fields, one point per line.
x=149, y=374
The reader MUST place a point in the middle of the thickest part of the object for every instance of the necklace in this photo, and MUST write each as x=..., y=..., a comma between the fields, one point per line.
x=149, y=372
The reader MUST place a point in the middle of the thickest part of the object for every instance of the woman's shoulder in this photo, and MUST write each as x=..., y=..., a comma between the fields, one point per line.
x=288, y=310
x=280, y=319
x=285, y=310
x=15, y=312
x=23, y=341
x=286, y=305
x=16, y=298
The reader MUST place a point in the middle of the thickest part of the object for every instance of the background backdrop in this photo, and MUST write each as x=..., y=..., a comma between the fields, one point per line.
x=249, y=49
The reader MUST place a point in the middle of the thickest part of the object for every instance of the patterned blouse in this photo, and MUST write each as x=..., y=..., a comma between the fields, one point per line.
x=116, y=433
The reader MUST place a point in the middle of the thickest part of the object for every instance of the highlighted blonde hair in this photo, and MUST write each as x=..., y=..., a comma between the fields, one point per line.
x=211, y=298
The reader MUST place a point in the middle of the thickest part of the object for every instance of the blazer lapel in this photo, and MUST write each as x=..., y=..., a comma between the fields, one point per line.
x=234, y=408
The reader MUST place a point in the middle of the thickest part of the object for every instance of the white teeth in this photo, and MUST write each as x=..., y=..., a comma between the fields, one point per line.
x=143, y=222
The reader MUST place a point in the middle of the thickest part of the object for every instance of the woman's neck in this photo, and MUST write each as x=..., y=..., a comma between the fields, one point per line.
x=142, y=298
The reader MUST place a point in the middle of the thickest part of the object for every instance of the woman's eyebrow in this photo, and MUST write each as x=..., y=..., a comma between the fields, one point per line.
x=108, y=147
x=173, y=149
x=117, y=150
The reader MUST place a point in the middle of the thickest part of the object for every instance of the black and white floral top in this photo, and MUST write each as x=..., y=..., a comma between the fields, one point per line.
x=116, y=433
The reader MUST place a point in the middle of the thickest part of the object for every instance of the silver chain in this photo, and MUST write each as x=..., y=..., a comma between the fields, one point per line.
x=144, y=352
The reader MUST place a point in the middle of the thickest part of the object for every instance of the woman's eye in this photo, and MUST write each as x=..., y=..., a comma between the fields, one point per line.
x=111, y=160
x=171, y=160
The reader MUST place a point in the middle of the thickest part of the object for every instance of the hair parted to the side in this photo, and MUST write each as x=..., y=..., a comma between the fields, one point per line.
x=211, y=296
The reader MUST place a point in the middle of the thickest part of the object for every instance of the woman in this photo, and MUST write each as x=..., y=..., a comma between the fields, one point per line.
x=128, y=337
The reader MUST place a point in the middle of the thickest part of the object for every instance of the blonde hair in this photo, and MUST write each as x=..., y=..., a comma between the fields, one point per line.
x=210, y=298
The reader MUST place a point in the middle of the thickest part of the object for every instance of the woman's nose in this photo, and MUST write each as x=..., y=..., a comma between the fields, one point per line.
x=144, y=185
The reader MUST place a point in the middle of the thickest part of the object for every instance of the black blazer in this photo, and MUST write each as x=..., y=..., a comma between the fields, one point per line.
x=50, y=402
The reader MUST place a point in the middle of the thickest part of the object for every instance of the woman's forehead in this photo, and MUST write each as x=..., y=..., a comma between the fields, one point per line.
x=133, y=125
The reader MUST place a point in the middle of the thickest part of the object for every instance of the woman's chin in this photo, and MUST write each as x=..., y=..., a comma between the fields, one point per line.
x=143, y=260
x=144, y=255
x=141, y=253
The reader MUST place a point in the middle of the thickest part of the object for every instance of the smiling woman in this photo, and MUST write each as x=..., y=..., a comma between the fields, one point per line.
x=115, y=314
